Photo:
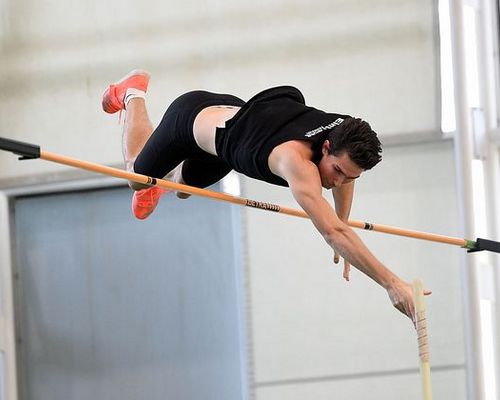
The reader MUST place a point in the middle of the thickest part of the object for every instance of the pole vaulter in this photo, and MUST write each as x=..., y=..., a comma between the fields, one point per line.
x=32, y=151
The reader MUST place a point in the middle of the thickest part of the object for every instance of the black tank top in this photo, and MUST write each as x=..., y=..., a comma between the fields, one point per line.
x=272, y=117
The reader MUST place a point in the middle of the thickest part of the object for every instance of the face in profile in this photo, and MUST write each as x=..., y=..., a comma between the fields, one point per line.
x=335, y=170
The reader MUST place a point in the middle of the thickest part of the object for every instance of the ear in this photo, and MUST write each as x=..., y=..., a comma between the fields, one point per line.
x=326, y=147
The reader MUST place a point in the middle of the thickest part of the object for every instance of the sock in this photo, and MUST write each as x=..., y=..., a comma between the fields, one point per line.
x=133, y=93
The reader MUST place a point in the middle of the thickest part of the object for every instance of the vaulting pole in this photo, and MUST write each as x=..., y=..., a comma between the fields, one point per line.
x=30, y=151
x=423, y=339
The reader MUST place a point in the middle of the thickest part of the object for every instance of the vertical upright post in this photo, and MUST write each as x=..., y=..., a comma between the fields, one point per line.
x=488, y=59
x=463, y=159
x=7, y=318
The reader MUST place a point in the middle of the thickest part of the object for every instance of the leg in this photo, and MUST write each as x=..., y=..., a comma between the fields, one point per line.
x=159, y=155
x=160, y=152
x=136, y=132
x=129, y=93
x=202, y=172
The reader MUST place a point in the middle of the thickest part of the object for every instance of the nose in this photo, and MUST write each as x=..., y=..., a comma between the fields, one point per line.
x=338, y=181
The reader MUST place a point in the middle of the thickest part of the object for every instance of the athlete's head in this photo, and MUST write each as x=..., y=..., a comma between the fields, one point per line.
x=357, y=138
x=351, y=148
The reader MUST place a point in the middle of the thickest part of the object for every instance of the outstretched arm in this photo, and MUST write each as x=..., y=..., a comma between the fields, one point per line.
x=343, y=196
x=305, y=183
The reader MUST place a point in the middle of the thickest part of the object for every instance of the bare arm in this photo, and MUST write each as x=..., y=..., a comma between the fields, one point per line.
x=305, y=183
x=343, y=197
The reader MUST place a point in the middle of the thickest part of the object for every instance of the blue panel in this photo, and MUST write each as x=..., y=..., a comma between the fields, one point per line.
x=114, y=308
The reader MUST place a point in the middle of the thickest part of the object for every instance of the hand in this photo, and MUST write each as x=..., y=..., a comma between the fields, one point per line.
x=401, y=295
x=347, y=266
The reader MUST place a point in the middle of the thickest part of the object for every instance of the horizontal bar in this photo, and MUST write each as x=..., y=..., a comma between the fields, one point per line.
x=131, y=176
x=27, y=150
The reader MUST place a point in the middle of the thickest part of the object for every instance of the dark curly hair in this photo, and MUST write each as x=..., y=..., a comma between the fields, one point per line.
x=357, y=138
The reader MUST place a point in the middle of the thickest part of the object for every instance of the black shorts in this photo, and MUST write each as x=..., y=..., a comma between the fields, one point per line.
x=173, y=142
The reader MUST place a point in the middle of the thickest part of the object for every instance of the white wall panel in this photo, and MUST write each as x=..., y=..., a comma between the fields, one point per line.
x=309, y=323
x=373, y=59
x=446, y=385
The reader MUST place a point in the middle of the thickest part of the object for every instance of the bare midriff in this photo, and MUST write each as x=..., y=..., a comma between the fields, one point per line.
x=206, y=123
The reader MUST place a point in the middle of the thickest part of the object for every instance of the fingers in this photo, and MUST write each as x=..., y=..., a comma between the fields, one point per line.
x=347, y=266
x=427, y=292
x=347, y=270
x=408, y=310
x=411, y=315
x=402, y=299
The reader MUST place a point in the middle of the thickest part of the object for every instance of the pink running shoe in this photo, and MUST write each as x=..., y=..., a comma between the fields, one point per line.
x=145, y=201
x=114, y=96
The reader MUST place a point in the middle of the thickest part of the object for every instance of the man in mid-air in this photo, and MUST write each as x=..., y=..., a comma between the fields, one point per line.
x=274, y=137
